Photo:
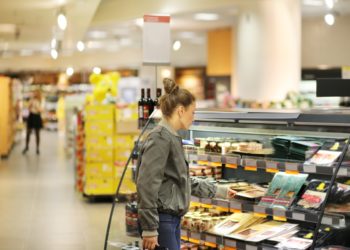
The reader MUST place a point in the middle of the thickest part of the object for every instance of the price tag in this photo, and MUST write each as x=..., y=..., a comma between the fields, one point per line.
x=292, y=166
x=234, y=205
x=195, y=204
x=193, y=157
x=272, y=170
x=216, y=164
x=202, y=157
x=298, y=216
x=343, y=172
x=229, y=248
x=224, y=204
x=230, y=243
x=206, y=206
x=209, y=244
x=250, y=168
x=184, y=233
x=231, y=165
x=327, y=220
x=260, y=215
x=279, y=213
x=203, y=162
x=292, y=172
x=184, y=238
x=206, y=201
x=279, y=218
x=195, y=241
x=223, y=209
x=216, y=158
x=259, y=209
x=310, y=168
x=195, y=199
x=250, y=247
x=210, y=239
x=195, y=236
x=231, y=160
x=250, y=163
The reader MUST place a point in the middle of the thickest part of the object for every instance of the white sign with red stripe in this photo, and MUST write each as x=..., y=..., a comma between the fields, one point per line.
x=156, y=39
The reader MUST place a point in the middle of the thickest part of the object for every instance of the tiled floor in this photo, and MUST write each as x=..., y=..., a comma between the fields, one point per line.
x=39, y=208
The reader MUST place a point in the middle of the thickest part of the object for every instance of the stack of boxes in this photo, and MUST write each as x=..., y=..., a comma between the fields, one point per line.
x=126, y=132
x=79, y=152
x=99, y=150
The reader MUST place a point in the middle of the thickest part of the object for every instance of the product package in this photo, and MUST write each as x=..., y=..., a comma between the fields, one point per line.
x=314, y=195
x=294, y=243
x=282, y=190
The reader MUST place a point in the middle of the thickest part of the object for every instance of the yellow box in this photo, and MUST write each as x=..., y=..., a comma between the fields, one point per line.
x=124, y=141
x=100, y=127
x=99, y=155
x=128, y=186
x=99, y=141
x=99, y=170
x=99, y=186
x=99, y=112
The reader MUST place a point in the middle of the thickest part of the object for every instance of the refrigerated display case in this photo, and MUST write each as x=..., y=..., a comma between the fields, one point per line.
x=255, y=148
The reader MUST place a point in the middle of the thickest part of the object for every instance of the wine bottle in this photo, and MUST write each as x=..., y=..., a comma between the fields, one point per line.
x=148, y=106
x=156, y=101
x=141, y=104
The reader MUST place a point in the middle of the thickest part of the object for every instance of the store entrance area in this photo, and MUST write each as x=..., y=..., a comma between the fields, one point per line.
x=39, y=207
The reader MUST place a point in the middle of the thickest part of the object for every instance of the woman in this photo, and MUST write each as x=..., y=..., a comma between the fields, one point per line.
x=34, y=121
x=163, y=183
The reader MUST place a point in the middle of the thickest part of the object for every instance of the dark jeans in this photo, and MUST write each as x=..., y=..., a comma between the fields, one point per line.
x=169, y=231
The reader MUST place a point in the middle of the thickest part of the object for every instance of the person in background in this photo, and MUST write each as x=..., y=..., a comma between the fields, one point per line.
x=164, y=185
x=34, y=121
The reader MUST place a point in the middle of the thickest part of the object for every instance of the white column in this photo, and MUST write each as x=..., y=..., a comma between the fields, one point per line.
x=268, y=50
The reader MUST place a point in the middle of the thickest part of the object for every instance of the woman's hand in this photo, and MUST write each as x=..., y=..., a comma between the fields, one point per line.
x=231, y=193
x=150, y=243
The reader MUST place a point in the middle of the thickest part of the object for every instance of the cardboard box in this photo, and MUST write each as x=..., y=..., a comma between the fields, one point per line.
x=99, y=155
x=127, y=127
x=99, y=112
x=92, y=141
x=99, y=170
x=99, y=186
x=124, y=141
x=99, y=127
x=128, y=186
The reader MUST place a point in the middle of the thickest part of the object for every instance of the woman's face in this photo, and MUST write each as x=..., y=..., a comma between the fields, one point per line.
x=187, y=115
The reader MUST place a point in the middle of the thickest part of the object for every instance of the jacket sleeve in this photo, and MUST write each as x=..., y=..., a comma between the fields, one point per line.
x=205, y=189
x=149, y=179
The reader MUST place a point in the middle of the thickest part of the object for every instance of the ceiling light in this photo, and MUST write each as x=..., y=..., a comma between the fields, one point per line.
x=329, y=19
x=177, y=45
x=96, y=70
x=206, y=16
x=62, y=21
x=54, y=54
x=69, y=71
x=53, y=43
x=166, y=73
x=80, y=46
x=329, y=4
x=313, y=2
x=97, y=34
x=139, y=22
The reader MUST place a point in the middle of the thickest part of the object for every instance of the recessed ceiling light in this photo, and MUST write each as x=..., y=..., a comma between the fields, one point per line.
x=96, y=70
x=69, y=71
x=97, y=34
x=177, y=45
x=54, y=54
x=206, y=16
x=313, y=2
x=139, y=22
x=62, y=21
x=329, y=4
x=80, y=46
x=329, y=19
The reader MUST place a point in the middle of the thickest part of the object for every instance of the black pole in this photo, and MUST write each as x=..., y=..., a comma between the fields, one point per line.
x=323, y=205
x=121, y=180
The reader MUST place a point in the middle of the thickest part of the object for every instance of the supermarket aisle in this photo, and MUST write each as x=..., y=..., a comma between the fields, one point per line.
x=39, y=209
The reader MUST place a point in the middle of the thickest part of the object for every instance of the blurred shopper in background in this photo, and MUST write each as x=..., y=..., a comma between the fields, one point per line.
x=34, y=121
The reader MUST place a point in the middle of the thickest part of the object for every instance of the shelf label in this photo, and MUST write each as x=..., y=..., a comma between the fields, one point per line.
x=272, y=170
x=310, y=168
x=231, y=160
x=195, y=204
x=209, y=244
x=229, y=165
x=223, y=204
x=250, y=247
x=234, y=205
x=279, y=218
x=222, y=209
x=250, y=163
x=193, y=157
x=195, y=241
x=250, y=168
x=202, y=157
x=292, y=172
x=195, y=199
x=229, y=248
x=216, y=158
x=202, y=162
x=184, y=238
x=230, y=243
x=195, y=236
x=259, y=209
x=271, y=164
x=260, y=215
x=292, y=166
x=215, y=164
x=298, y=216
x=206, y=206
x=343, y=172
x=210, y=239
x=327, y=220
x=184, y=233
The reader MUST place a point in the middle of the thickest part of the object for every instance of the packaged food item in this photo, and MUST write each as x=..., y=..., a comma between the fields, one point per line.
x=294, y=243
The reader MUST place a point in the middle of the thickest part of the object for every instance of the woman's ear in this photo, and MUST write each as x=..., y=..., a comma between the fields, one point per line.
x=181, y=110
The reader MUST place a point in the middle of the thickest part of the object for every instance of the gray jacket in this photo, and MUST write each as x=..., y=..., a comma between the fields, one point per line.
x=163, y=181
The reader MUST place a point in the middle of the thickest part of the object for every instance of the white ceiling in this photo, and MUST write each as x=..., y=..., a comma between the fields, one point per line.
x=27, y=26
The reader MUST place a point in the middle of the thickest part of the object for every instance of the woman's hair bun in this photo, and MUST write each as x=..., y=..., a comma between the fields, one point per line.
x=170, y=86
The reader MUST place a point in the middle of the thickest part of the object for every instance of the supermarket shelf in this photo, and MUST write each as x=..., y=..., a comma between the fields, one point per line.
x=271, y=165
x=212, y=240
x=334, y=220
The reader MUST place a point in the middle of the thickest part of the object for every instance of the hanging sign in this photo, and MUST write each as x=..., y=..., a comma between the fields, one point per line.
x=156, y=39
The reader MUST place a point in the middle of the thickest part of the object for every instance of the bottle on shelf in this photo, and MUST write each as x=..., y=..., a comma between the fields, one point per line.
x=148, y=106
x=158, y=95
x=141, y=104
